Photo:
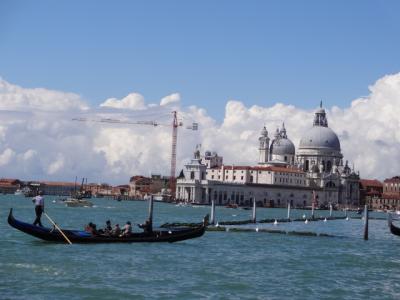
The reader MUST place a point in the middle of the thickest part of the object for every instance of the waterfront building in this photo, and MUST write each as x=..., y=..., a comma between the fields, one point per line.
x=392, y=185
x=370, y=191
x=58, y=188
x=9, y=186
x=141, y=186
x=281, y=176
x=390, y=198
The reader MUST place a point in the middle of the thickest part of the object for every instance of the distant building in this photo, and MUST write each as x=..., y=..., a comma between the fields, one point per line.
x=371, y=190
x=390, y=199
x=141, y=186
x=282, y=176
x=9, y=186
x=58, y=188
x=392, y=185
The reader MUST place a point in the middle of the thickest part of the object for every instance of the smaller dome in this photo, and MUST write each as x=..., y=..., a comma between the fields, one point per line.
x=282, y=147
x=208, y=153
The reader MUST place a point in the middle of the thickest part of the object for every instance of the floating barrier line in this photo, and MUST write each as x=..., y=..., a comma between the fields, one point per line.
x=246, y=222
x=302, y=233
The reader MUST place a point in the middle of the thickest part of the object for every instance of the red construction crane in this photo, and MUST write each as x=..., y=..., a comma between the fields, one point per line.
x=175, y=124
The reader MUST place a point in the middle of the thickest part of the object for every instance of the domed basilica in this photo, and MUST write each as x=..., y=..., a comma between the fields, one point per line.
x=319, y=156
x=282, y=176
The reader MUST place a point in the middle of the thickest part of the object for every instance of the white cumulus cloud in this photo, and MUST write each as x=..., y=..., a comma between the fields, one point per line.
x=14, y=97
x=173, y=98
x=43, y=142
x=133, y=101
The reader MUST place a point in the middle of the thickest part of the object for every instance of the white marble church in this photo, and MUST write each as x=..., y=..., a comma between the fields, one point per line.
x=281, y=176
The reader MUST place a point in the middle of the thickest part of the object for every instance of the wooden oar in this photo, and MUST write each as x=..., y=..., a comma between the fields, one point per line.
x=58, y=228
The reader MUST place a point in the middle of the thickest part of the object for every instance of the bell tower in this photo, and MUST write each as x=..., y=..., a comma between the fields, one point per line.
x=263, y=147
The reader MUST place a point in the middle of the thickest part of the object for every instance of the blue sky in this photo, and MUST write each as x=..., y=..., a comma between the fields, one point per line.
x=259, y=52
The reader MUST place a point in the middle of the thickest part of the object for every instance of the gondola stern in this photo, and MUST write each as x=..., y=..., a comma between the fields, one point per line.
x=11, y=219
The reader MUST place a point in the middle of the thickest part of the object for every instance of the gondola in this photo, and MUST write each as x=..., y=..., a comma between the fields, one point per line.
x=173, y=234
x=393, y=229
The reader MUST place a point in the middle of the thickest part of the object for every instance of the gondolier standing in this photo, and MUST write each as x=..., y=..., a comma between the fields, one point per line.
x=39, y=208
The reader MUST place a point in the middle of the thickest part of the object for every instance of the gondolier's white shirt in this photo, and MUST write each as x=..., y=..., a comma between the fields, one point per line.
x=39, y=200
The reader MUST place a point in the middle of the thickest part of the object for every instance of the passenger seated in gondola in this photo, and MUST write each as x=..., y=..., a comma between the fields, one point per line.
x=146, y=226
x=116, y=231
x=127, y=231
x=91, y=228
x=107, y=230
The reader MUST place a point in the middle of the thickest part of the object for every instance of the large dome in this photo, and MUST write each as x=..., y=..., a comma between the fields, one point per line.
x=319, y=137
x=282, y=146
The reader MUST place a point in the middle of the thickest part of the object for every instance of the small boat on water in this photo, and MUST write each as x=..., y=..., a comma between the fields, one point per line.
x=74, y=202
x=393, y=229
x=80, y=236
x=18, y=192
x=168, y=234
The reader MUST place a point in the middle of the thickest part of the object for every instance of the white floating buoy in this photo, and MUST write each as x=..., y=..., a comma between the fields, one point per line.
x=304, y=216
x=276, y=222
x=347, y=218
x=54, y=201
x=306, y=221
x=256, y=229
x=325, y=220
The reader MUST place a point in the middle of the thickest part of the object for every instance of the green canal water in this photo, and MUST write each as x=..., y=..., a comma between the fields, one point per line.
x=219, y=265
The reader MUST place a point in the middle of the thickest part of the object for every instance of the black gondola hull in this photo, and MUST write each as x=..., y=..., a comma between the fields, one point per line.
x=77, y=236
x=393, y=229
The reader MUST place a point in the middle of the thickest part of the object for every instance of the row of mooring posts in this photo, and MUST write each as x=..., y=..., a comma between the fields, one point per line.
x=254, y=216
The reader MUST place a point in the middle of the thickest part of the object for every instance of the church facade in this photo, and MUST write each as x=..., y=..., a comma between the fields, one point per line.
x=314, y=173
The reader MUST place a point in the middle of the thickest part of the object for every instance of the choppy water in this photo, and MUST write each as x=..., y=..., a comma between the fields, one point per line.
x=219, y=265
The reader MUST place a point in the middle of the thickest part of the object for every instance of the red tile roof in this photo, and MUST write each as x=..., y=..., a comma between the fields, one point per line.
x=395, y=179
x=371, y=183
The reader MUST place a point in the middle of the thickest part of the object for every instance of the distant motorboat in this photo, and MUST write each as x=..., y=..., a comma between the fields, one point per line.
x=73, y=202
x=158, y=198
x=162, y=197
x=18, y=192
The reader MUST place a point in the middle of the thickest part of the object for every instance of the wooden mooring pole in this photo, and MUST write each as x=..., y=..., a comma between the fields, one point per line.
x=366, y=222
x=151, y=204
x=212, y=222
x=330, y=210
x=288, y=211
x=312, y=210
x=254, y=218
